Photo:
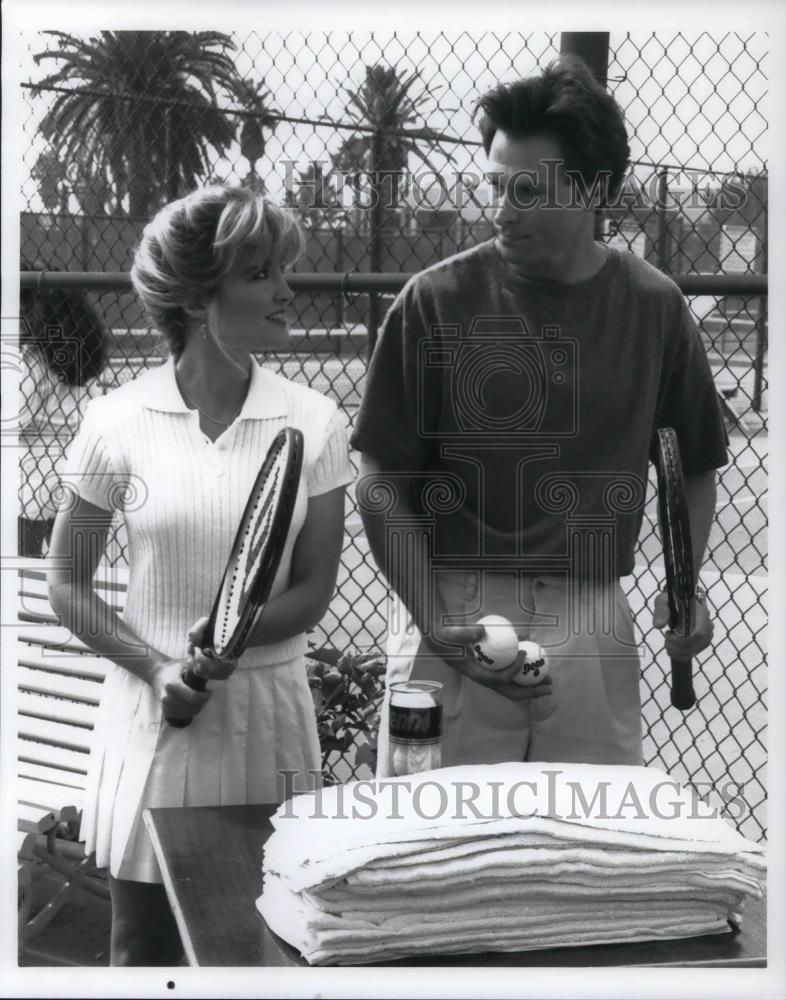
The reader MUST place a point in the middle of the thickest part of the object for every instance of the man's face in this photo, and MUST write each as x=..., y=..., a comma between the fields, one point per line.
x=534, y=221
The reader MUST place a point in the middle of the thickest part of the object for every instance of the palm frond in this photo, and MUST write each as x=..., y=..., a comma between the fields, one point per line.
x=138, y=75
x=394, y=102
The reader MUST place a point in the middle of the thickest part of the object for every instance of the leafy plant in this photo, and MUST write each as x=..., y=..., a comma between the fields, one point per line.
x=347, y=689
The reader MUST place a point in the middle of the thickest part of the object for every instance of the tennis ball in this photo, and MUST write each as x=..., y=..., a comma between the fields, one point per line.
x=535, y=666
x=498, y=647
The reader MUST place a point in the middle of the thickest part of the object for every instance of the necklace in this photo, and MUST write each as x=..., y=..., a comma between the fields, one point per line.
x=190, y=401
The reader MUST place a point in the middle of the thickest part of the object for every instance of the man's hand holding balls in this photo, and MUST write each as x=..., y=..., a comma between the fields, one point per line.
x=498, y=645
x=498, y=648
x=489, y=652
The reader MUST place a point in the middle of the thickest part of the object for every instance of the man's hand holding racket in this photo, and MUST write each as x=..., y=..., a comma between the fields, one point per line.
x=684, y=647
x=682, y=607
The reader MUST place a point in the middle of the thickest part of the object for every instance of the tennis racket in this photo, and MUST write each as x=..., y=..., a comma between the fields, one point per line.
x=678, y=557
x=256, y=553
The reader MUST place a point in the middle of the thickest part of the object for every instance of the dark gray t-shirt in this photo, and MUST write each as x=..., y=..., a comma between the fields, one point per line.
x=525, y=411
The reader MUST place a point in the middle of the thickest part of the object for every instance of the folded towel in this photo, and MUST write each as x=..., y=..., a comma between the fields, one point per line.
x=501, y=863
x=504, y=857
x=355, y=941
x=322, y=838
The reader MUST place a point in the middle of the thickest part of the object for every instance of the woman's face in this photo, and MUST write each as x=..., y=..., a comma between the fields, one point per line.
x=249, y=311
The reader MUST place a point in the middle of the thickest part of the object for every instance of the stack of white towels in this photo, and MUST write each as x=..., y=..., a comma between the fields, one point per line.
x=505, y=857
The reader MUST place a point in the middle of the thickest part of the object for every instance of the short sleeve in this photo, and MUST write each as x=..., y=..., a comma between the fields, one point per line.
x=93, y=469
x=332, y=467
x=401, y=396
x=689, y=403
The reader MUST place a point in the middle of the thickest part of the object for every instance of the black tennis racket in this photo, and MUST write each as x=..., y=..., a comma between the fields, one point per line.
x=256, y=553
x=678, y=556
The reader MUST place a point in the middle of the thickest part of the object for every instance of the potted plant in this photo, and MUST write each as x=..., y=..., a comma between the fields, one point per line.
x=347, y=689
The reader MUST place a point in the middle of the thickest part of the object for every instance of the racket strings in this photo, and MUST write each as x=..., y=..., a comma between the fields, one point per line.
x=258, y=546
x=237, y=589
x=254, y=531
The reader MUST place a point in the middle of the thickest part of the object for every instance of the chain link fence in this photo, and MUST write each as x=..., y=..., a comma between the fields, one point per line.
x=324, y=122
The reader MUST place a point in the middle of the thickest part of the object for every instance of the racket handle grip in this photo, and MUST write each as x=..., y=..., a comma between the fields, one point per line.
x=683, y=696
x=195, y=681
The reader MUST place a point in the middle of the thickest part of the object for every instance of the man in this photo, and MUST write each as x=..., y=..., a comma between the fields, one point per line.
x=509, y=416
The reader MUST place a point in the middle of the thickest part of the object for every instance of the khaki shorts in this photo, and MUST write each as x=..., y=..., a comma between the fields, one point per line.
x=587, y=631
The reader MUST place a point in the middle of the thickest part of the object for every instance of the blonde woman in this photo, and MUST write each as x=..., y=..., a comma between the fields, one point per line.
x=176, y=452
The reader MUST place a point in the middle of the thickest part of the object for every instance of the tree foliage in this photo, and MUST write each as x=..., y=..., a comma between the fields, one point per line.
x=388, y=108
x=389, y=104
x=141, y=110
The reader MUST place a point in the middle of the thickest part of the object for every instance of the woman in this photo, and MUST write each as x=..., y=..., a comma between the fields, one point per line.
x=176, y=452
x=62, y=346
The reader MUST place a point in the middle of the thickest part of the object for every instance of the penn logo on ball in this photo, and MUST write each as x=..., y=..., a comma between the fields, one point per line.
x=535, y=666
x=498, y=647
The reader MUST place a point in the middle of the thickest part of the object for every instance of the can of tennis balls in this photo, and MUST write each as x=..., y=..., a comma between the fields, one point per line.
x=415, y=727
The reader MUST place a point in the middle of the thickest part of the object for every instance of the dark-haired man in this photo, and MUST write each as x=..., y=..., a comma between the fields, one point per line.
x=510, y=408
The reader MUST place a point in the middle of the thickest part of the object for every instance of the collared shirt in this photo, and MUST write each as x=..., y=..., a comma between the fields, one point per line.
x=140, y=451
x=157, y=389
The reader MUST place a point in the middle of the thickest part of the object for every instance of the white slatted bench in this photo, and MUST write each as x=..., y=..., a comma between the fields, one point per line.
x=58, y=690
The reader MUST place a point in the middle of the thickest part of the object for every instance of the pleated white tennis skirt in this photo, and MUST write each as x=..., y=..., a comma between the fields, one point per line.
x=257, y=729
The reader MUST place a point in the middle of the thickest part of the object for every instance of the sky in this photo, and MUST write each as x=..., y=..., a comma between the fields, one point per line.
x=690, y=98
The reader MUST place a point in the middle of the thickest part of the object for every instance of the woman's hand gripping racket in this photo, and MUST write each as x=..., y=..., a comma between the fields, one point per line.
x=256, y=553
x=678, y=557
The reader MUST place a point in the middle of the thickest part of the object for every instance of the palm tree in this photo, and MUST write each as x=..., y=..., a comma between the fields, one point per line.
x=385, y=106
x=143, y=106
x=255, y=97
x=388, y=106
x=50, y=173
x=316, y=198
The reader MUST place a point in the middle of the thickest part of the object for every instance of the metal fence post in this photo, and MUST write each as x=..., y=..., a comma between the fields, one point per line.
x=339, y=265
x=375, y=236
x=593, y=48
x=661, y=209
x=761, y=329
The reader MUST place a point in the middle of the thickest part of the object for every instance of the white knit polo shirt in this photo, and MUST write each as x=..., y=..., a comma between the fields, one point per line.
x=140, y=450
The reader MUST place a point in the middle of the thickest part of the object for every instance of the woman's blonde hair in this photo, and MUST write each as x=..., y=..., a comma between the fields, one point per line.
x=190, y=246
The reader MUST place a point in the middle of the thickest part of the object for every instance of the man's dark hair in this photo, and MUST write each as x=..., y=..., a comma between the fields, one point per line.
x=568, y=104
